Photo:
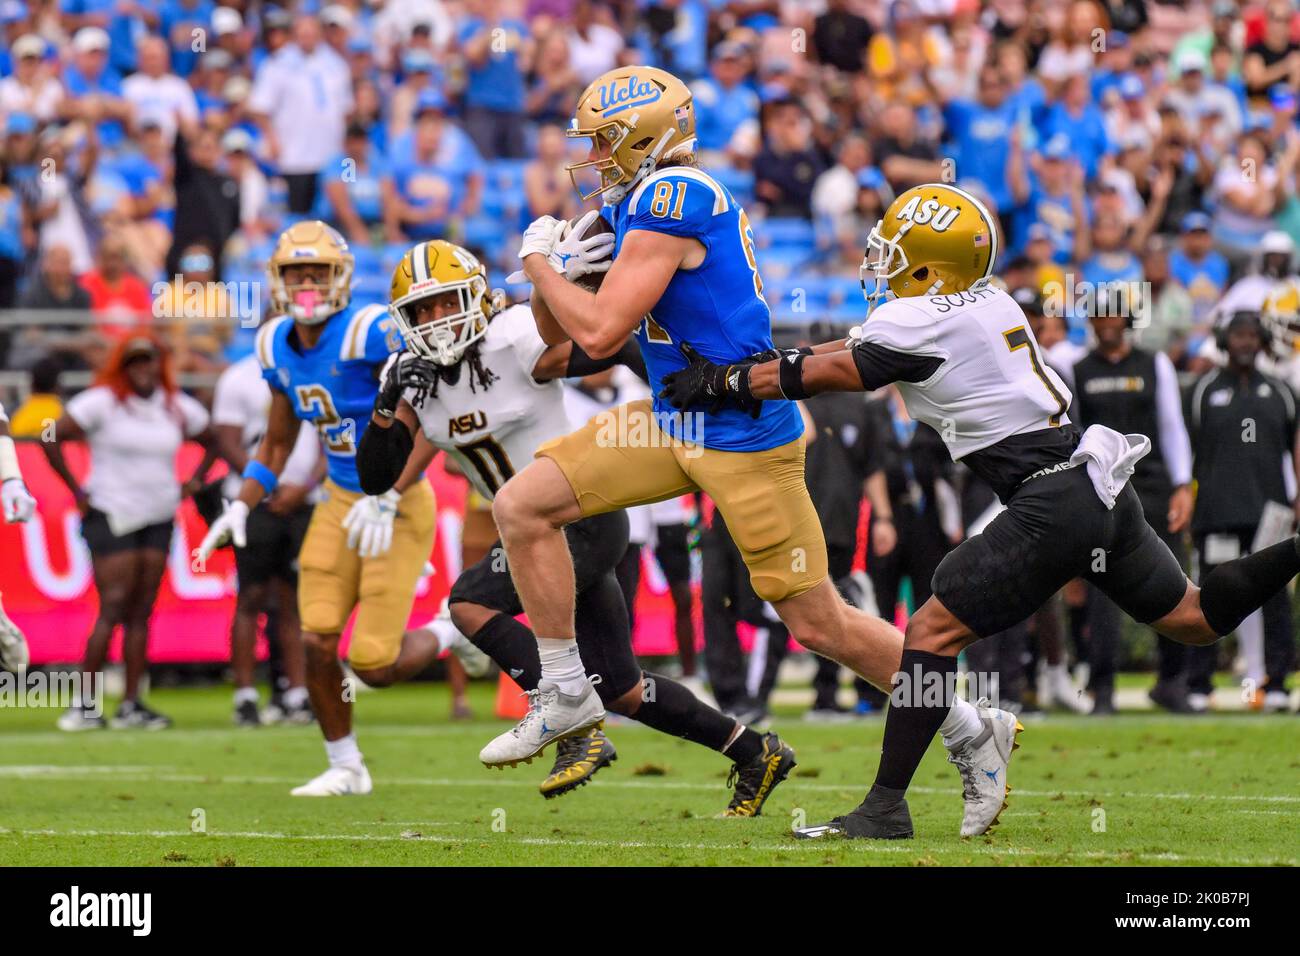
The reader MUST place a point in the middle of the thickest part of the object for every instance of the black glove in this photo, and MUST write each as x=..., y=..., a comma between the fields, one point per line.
x=407, y=371
x=702, y=381
x=772, y=355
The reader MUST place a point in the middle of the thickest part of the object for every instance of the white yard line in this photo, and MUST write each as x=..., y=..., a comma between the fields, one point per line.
x=505, y=779
x=864, y=848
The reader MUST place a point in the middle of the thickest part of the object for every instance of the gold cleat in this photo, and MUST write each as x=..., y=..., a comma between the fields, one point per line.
x=577, y=760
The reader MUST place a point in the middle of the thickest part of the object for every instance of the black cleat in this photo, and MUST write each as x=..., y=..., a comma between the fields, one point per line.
x=883, y=815
x=246, y=714
x=577, y=760
x=1104, y=706
x=755, y=781
x=133, y=715
x=1171, y=696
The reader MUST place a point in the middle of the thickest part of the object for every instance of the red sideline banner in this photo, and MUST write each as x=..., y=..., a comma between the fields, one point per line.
x=48, y=589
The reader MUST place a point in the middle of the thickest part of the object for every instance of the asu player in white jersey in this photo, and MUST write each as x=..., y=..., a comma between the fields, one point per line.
x=481, y=384
x=965, y=361
x=684, y=271
x=322, y=358
x=1280, y=316
x=17, y=505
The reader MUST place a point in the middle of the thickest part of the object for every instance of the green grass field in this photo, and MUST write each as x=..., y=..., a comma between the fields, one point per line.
x=1139, y=789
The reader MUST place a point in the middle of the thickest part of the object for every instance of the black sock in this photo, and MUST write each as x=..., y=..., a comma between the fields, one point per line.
x=1079, y=630
x=921, y=698
x=1235, y=588
x=513, y=647
x=669, y=707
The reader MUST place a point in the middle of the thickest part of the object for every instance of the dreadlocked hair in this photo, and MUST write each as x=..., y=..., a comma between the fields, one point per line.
x=478, y=370
x=478, y=373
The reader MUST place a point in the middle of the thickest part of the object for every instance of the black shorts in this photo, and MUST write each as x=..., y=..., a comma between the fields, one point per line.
x=272, y=546
x=597, y=544
x=101, y=540
x=673, y=552
x=1055, y=529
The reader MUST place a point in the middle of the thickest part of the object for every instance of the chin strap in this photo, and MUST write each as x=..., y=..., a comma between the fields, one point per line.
x=615, y=194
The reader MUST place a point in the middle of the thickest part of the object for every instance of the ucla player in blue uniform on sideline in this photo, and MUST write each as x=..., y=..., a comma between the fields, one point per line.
x=684, y=271
x=322, y=359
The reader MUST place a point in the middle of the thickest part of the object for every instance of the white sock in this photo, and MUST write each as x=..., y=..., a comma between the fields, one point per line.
x=295, y=697
x=344, y=752
x=962, y=723
x=445, y=631
x=561, y=664
x=245, y=693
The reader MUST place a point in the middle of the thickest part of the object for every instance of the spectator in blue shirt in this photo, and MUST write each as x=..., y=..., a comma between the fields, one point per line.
x=1198, y=267
x=1023, y=89
x=436, y=184
x=351, y=187
x=177, y=22
x=94, y=88
x=980, y=135
x=554, y=85
x=1083, y=124
x=723, y=101
x=497, y=53
x=1115, y=61
x=1056, y=200
x=123, y=20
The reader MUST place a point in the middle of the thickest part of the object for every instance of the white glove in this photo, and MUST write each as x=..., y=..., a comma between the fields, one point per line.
x=370, y=523
x=19, y=505
x=540, y=237
x=578, y=257
x=231, y=526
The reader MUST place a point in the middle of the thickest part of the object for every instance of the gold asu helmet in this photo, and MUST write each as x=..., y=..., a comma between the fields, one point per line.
x=1280, y=316
x=307, y=243
x=933, y=239
x=430, y=269
x=643, y=115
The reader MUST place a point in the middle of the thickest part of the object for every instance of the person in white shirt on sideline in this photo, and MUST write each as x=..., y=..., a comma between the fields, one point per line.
x=18, y=506
x=133, y=421
x=267, y=565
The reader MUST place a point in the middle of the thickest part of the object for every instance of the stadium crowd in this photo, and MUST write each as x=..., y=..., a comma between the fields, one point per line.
x=1140, y=157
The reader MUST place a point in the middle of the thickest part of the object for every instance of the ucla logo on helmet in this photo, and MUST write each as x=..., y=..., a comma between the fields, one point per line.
x=627, y=94
x=938, y=215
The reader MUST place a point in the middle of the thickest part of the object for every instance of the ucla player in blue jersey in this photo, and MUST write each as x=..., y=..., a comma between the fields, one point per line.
x=322, y=359
x=684, y=271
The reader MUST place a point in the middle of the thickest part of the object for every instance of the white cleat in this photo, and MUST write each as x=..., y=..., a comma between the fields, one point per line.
x=13, y=646
x=982, y=762
x=551, y=716
x=337, y=782
x=475, y=662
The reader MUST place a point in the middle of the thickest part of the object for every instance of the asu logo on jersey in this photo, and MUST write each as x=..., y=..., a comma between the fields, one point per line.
x=467, y=423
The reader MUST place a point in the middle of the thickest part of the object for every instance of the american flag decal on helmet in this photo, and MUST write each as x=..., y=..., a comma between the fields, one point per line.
x=981, y=238
x=682, y=114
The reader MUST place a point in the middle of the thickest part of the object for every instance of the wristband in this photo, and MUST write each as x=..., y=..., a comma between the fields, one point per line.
x=262, y=475
x=790, y=377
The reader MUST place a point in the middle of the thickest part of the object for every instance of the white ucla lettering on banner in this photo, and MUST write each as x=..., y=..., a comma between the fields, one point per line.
x=71, y=583
x=187, y=584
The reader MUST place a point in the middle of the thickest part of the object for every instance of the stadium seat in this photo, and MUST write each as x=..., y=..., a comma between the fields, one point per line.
x=784, y=231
